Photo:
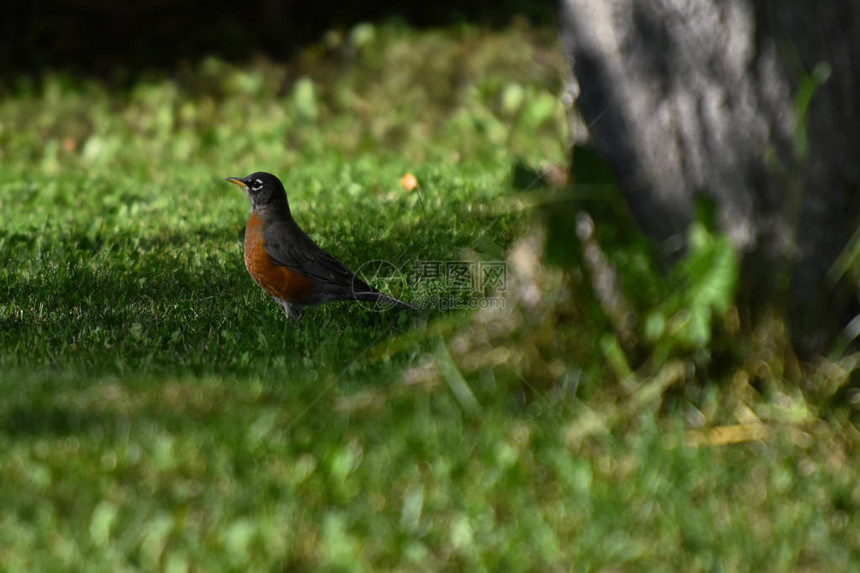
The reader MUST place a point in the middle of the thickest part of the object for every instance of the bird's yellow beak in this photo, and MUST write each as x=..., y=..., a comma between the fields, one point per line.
x=237, y=181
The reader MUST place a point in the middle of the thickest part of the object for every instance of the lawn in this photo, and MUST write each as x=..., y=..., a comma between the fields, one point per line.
x=160, y=413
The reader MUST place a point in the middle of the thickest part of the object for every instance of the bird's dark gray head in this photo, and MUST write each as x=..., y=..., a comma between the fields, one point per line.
x=264, y=190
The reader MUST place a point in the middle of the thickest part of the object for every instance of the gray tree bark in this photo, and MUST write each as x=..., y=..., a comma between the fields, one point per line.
x=690, y=97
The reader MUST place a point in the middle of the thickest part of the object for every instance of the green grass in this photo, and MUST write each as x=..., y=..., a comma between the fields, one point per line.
x=159, y=413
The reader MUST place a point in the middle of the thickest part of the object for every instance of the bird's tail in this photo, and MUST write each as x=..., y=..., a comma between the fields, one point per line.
x=383, y=300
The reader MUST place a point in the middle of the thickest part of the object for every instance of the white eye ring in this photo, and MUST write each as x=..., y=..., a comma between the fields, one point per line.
x=257, y=185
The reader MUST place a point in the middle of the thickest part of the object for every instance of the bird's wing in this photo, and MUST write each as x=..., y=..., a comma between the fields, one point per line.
x=299, y=253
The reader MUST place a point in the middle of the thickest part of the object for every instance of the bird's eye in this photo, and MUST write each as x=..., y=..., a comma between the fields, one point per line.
x=257, y=185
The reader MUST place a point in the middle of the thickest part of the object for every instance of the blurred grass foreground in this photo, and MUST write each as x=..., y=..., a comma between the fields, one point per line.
x=586, y=409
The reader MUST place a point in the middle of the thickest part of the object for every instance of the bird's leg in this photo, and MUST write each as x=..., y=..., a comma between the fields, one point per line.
x=292, y=311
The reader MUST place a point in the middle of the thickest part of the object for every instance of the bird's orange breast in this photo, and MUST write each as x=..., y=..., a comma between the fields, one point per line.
x=277, y=280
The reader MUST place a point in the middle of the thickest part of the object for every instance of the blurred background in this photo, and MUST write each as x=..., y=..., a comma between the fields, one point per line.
x=93, y=37
x=617, y=402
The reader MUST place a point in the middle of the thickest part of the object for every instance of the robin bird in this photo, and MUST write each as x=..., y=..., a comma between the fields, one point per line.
x=286, y=263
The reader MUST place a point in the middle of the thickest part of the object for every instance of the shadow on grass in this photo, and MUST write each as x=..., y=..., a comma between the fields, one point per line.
x=173, y=303
x=53, y=420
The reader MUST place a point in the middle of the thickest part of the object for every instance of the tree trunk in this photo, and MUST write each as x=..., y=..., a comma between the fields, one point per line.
x=690, y=97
